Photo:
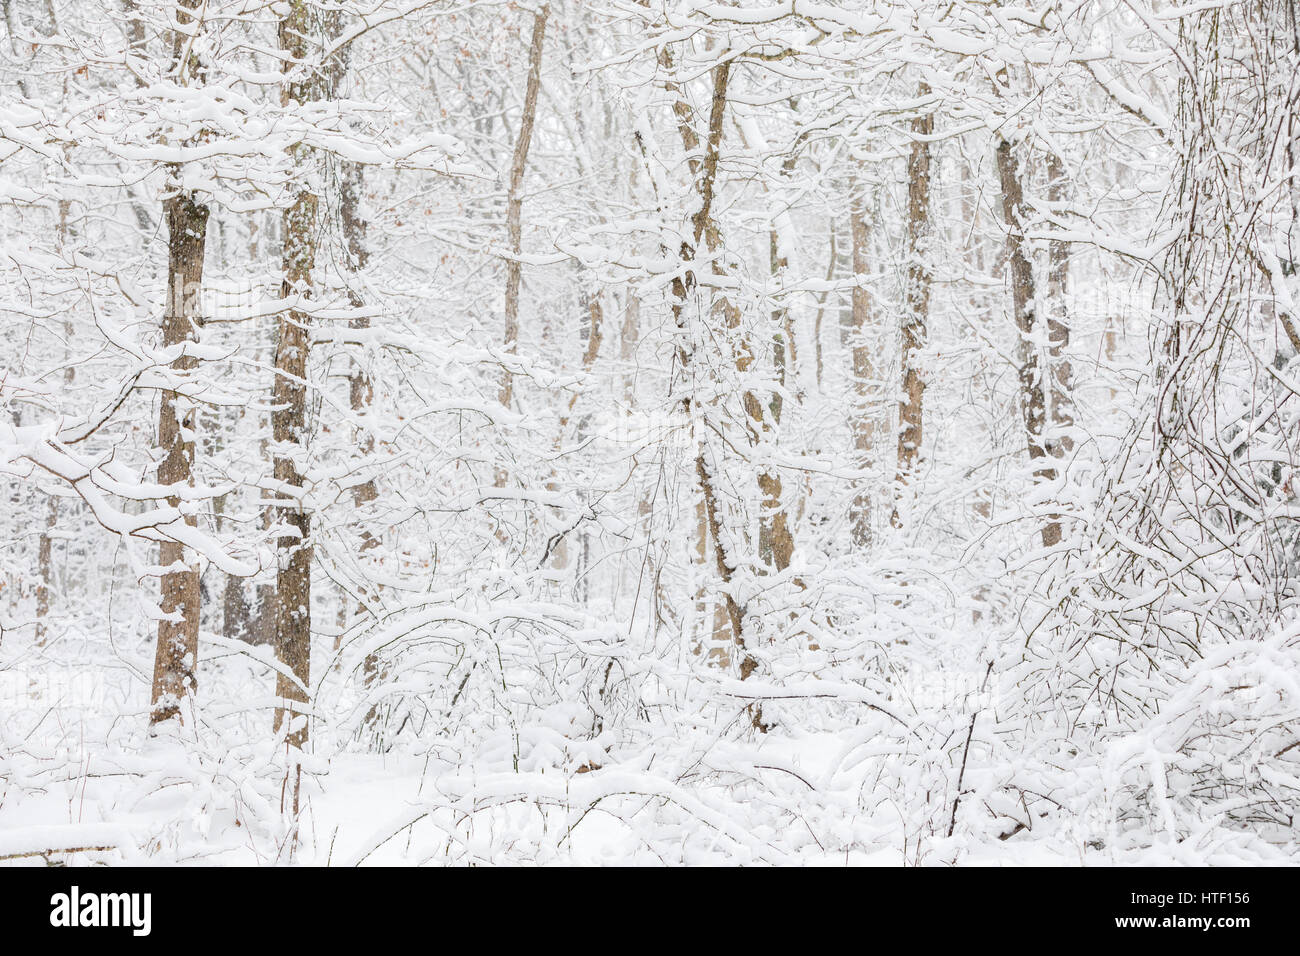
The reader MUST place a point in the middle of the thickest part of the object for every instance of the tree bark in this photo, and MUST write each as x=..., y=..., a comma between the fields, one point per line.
x=45, y=566
x=289, y=395
x=515, y=201
x=705, y=229
x=864, y=372
x=45, y=548
x=1060, y=442
x=235, y=621
x=775, y=541
x=361, y=391
x=628, y=339
x=1032, y=400
x=176, y=656
x=916, y=294
x=177, y=651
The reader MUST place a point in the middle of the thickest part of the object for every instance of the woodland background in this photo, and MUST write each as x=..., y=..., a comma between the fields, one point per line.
x=461, y=431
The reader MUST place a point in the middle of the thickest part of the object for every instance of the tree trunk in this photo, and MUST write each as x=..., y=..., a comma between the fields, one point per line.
x=821, y=307
x=705, y=229
x=236, y=621
x=916, y=295
x=558, y=547
x=775, y=541
x=178, y=630
x=361, y=392
x=515, y=200
x=45, y=565
x=864, y=372
x=1032, y=400
x=45, y=548
x=1060, y=442
x=289, y=417
x=628, y=339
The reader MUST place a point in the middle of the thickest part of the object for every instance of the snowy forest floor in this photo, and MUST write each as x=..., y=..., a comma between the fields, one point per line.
x=82, y=782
